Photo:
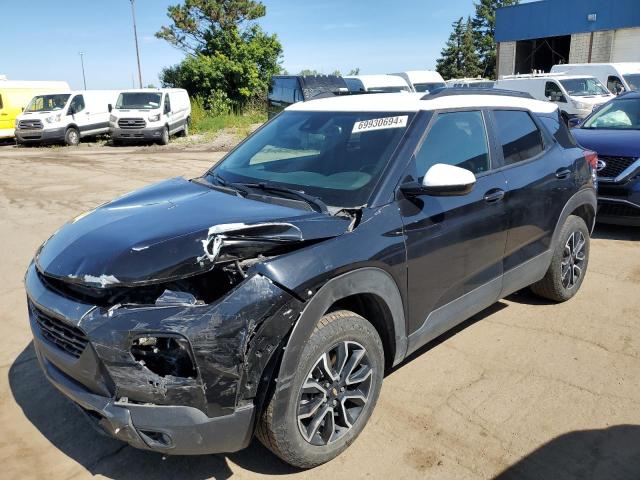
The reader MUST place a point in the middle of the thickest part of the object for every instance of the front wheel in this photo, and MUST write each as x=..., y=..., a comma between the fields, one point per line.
x=568, y=264
x=331, y=396
x=72, y=137
x=164, y=139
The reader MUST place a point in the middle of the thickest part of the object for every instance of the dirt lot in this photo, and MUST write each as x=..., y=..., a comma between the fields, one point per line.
x=524, y=390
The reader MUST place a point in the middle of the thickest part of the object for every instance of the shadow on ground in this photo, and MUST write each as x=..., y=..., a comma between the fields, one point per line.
x=66, y=428
x=608, y=454
x=615, y=232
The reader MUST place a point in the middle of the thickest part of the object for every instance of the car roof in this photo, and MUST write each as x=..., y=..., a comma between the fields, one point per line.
x=413, y=102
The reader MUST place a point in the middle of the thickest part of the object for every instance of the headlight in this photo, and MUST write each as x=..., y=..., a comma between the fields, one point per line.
x=154, y=118
x=580, y=105
x=53, y=118
x=113, y=118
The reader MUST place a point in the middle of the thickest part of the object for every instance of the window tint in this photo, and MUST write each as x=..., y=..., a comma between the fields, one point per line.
x=457, y=138
x=77, y=104
x=558, y=128
x=552, y=90
x=518, y=134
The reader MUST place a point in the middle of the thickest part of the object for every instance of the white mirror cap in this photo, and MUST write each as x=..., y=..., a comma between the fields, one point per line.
x=442, y=175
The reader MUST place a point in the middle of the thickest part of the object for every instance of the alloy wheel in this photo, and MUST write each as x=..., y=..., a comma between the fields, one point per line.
x=573, y=258
x=335, y=393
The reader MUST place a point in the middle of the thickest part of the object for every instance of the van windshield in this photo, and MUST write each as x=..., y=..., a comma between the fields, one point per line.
x=633, y=80
x=337, y=157
x=425, y=87
x=47, y=103
x=584, y=87
x=139, y=100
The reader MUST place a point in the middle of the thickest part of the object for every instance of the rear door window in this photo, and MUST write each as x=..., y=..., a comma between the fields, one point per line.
x=518, y=135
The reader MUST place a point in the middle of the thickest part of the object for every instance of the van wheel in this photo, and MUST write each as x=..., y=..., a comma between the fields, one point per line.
x=568, y=264
x=164, y=139
x=332, y=395
x=185, y=130
x=72, y=136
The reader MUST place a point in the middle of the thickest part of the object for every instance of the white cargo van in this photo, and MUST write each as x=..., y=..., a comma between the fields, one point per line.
x=65, y=117
x=618, y=77
x=376, y=84
x=469, y=83
x=575, y=95
x=150, y=114
x=422, y=80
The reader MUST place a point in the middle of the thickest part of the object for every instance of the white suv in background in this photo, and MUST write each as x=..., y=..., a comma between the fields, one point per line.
x=575, y=95
x=150, y=114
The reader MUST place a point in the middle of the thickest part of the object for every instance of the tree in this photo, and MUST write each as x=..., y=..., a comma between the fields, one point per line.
x=230, y=59
x=308, y=71
x=484, y=26
x=354, y=71
x=458, y=58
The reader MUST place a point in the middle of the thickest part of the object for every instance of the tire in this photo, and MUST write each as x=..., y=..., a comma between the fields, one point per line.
x=72, y=137
x=185, y=132
x=569, y=258
x=343, y=334
x=164, y=139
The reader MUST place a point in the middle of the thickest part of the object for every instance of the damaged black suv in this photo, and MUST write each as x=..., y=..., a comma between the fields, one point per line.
x=270, y=295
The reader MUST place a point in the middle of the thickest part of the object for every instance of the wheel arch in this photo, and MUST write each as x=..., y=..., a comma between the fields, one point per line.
x=584, y=204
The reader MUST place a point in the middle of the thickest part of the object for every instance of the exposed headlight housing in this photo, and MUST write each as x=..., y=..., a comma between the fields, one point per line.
x=164, y=354
x=53, y=118
x=154, y=118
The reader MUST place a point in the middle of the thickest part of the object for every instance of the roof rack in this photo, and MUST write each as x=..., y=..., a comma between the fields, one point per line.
x=448, y=91
x=531, y=75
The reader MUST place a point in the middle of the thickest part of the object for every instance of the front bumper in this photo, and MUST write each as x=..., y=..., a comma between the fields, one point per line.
x=619, y=203
x=136, y=134
x=183, y=416
x=50, y=135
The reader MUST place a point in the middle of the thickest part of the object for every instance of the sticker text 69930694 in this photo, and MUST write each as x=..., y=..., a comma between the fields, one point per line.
x=380, y=123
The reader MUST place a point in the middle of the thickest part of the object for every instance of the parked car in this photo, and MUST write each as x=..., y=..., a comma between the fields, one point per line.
x=614, y=132
x=422, y=80
x=65, y=117
x=270, y=295
x=376, y=84
x=285, y=90
x=14, y=97
x=618, y=77
x=576, y=96
x=150, y=114
x=469, y=83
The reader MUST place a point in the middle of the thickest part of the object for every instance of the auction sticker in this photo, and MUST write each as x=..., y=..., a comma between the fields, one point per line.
x=380, y=124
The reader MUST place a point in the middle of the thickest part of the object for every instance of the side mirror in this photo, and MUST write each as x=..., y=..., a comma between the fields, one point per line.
x=574, y=122
x=109, y=107
x=442, y=180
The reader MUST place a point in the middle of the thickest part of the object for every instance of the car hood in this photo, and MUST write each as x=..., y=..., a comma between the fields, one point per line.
x=614, y=143
x=171, y=230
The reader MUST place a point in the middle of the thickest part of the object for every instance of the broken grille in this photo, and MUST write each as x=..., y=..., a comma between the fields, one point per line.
x=66, y=337
x=131, y=123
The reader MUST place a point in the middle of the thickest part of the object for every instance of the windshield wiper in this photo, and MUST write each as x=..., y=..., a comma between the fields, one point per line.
x=268, y=187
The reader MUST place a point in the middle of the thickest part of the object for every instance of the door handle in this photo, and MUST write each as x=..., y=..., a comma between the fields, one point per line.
x=563, y=172
x=494, y=195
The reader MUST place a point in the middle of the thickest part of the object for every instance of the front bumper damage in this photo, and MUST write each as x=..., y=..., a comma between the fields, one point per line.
x=230, y=342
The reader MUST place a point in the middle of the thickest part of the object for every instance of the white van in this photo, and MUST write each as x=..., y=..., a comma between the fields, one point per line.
x=618, y=77
x=65, y=117
x=150, y=114
x=376, y=83
x=422, y=80
x=469, y=83
x=575, y=95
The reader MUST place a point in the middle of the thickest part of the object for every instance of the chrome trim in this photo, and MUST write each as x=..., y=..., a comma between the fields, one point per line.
x=618, y=200
x=624, y=174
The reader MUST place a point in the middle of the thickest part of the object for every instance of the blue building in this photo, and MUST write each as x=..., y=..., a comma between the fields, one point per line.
x=537, y=35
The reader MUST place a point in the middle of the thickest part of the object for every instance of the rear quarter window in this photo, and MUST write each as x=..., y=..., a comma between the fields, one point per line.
x=518, y=134
x=558, y=129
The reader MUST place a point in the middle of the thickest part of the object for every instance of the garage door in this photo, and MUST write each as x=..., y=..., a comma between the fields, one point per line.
x=626, y=45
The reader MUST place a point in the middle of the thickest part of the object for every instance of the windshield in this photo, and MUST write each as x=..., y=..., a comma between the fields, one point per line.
x=335, y=156
x=633, y=81
x=139, y=100
x=387, y=89
x=47, y=103
x=425, y=87
x=584, y=87
x=622, y=114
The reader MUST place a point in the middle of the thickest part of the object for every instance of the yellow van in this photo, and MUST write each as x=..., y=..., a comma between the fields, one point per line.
x=16, y=94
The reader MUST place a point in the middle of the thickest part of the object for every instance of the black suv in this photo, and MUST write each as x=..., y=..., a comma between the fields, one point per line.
x=270, y=295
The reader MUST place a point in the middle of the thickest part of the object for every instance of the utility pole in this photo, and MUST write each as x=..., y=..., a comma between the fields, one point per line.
x=135, y=36
x=84, y=80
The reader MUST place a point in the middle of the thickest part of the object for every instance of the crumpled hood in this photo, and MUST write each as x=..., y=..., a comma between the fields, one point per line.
x=171, y=230
x=613, y=143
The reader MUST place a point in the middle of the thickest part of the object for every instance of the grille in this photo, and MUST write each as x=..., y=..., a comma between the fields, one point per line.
x=615, y=166
x=131, y=123
x=618, y=210
x=64, y=336
x=30, y=124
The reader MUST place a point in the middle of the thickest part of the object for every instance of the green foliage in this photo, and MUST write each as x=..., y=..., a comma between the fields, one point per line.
x=458, y=58
x=204, y=121
x=307, y=71
x=484, y=26
x=230, y=59
x=354, y=71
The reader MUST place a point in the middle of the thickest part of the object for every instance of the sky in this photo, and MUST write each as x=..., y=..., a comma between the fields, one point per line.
x=42, y=38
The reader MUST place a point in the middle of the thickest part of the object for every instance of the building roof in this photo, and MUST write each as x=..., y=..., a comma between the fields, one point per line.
x=551, y=18
x=413, y=102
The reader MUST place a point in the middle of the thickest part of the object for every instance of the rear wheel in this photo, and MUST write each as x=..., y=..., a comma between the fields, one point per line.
x=568, y=264
x=332, y=395
x=72, y=136
x=185, y=130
